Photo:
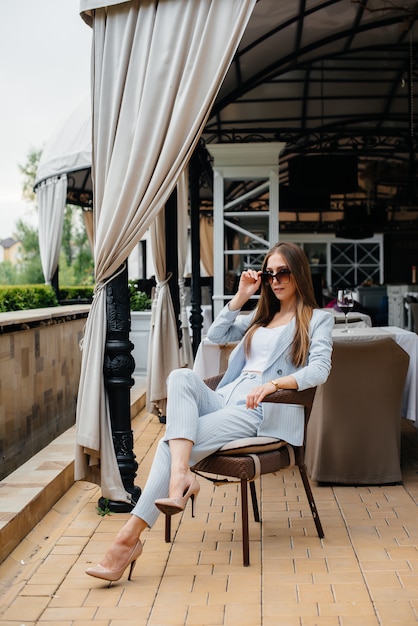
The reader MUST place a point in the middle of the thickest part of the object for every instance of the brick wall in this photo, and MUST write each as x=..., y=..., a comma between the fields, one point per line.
x=39, y=374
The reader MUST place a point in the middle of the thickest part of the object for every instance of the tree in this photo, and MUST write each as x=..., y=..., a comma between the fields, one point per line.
x=29, y=267
x=29, y=170
x=76, y=247
x=76, y=266
x=8, y=273
x=28, y=270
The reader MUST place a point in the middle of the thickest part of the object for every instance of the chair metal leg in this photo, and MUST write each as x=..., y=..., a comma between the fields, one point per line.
x=309, y=495
x=254, y=501
x=168, y=528
x=245, y=530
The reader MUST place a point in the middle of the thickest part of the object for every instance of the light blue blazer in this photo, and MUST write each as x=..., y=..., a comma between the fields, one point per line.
x=284, y=421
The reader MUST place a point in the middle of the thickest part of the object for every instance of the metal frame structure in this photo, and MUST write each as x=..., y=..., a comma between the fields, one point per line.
x=254, y=162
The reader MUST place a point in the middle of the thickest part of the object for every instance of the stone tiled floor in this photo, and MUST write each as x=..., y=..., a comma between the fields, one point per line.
x=363, y=573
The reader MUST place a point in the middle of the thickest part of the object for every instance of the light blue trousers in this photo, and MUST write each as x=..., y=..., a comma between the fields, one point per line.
x=208, y=418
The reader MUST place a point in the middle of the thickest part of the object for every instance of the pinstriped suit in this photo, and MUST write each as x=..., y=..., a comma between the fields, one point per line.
x=212, y=418
x=283, y=421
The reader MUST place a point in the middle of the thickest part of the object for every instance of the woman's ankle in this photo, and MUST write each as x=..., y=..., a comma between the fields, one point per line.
x=180, y=481
x=131, y=531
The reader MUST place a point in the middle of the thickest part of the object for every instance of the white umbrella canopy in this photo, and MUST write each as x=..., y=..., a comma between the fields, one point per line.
x=63, y=176
x=69, y=149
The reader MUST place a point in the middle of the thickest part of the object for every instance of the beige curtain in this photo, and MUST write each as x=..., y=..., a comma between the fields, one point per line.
x=163, y=351
x=156, y=69
x=88, y=223
x=51, y=196
x=206, y=243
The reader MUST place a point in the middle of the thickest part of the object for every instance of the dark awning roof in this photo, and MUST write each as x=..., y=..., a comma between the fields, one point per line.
x=328, y=77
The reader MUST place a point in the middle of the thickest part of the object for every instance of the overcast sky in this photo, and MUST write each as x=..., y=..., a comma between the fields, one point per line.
x=44, y=74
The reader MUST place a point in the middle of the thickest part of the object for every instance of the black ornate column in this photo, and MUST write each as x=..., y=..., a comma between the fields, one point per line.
x=196, y=317
x=118, y=367
x=172, y=256
x=55, y=284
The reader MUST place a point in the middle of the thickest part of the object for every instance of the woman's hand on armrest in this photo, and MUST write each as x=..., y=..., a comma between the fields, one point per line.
x=257, y=395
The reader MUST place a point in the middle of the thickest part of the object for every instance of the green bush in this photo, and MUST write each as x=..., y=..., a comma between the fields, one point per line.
x=139, y=299
x=76, y=293
x=24, y=297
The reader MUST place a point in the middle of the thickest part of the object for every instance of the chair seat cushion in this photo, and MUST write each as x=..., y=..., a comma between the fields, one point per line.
x=251, y=445
x=245, y=466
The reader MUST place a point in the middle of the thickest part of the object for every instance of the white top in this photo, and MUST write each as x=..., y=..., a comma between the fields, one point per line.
x=261, y=343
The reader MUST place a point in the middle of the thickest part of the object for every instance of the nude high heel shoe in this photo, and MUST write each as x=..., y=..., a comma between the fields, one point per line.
x=171, y=506
x=115, y=574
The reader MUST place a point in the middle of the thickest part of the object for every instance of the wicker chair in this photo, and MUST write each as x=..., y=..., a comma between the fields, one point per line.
x=247, y=459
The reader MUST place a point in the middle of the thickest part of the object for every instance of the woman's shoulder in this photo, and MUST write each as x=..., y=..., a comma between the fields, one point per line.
x=321, y=313
x=320, y=316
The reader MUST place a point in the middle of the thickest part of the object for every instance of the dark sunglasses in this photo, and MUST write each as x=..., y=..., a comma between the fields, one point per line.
x=282, y=277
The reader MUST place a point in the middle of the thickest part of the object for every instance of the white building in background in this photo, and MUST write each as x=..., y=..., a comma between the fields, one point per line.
x=10, y=250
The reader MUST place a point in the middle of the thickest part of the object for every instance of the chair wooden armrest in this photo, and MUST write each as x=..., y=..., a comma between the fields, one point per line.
x=282, y=396
x=292, y=396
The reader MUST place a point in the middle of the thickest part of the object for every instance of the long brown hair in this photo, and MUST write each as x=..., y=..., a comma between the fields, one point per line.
x=268, y=304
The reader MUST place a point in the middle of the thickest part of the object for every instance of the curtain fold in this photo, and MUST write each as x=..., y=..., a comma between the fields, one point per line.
x=163, y=350
x=52, y=196
x=156, y=69
x=206, y=244
x=88, y=223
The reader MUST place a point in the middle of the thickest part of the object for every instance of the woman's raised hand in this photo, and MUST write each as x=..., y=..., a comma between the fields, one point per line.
x=249, y=283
